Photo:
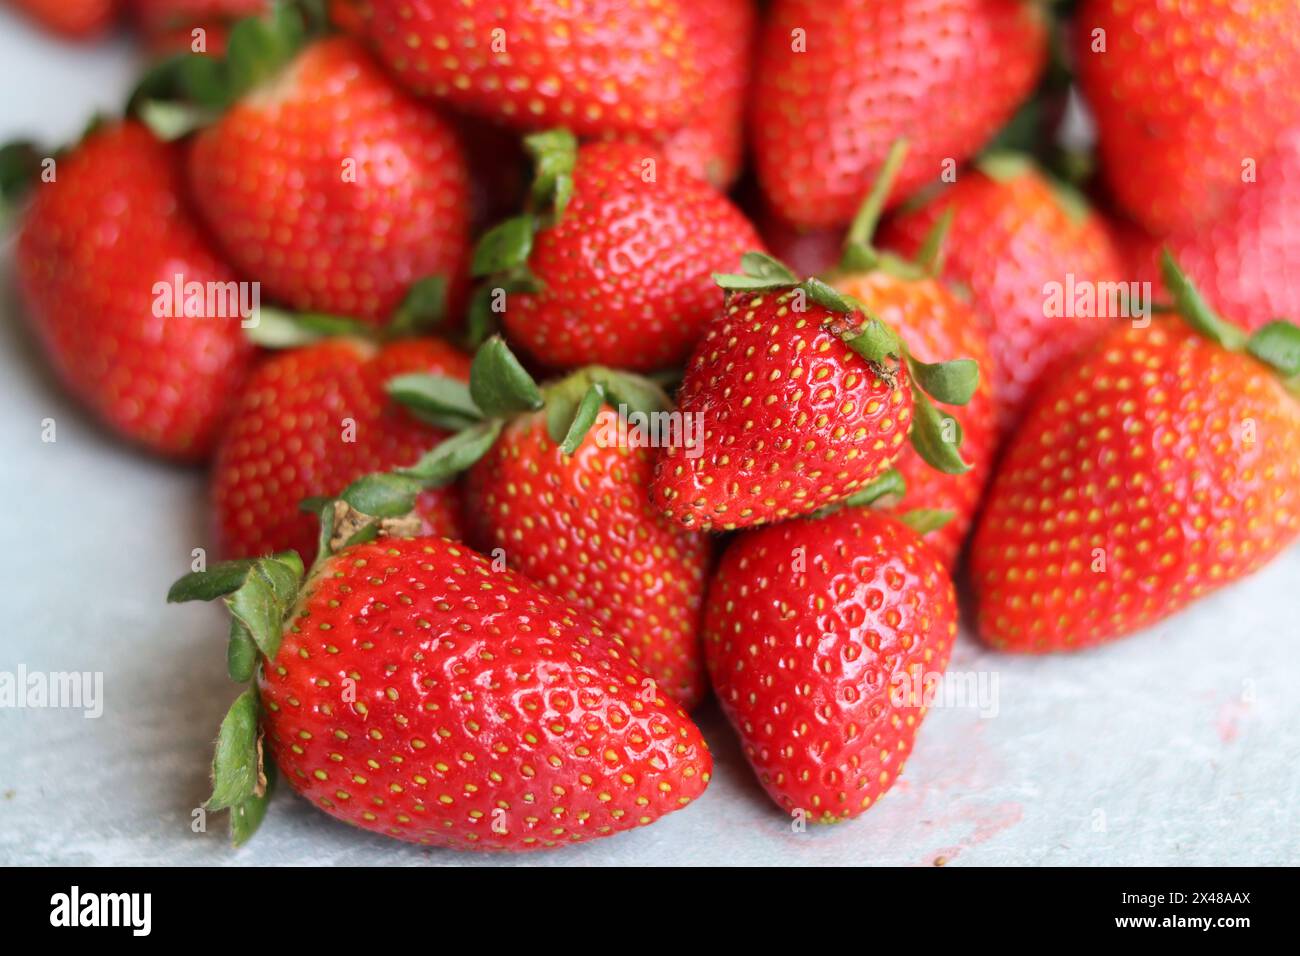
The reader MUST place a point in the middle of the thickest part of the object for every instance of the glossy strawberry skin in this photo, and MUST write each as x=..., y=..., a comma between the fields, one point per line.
x=938, y=327
x=1183, y=94
x=273, y=182
x=1010, y=236
x=792, y=419
x=93, y=244
x=815, y=632
x=597, y=67
x=946, y=74
x=309, y=423
x=73, y=19
x=480, y=700
x=627, y=273
x=1161, y=468
x=583, y=527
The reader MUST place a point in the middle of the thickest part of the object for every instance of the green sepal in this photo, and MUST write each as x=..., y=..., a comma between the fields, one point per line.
x=827, y=297
x=162, y=80
x=1194, y=310
x=858, y=242
x=733, y=282
x=480, y=320
x=555, y=154
x=891, y=483
x=583, y=418
x=760, y=265
x=1277, y=344
x=636, y=392
x=1004, y=166
x=279, y=329
x=241, y=654
x=323, y=509
x=876, y=341
x=927, y=436
x=925, y=520
x=20, y=165
x=221, y=579
x=499, y=384
x=505, y=247
x=235, y=762
x=423, y=309
x=247, y=816
x=952, y=383
x=263, y=600
x=456, y=454
x=930, y=255
x=170, y=120
x=382, y=494
x=436, y=399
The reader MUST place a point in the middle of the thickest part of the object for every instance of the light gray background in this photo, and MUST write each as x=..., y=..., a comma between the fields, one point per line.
x=1176, y=746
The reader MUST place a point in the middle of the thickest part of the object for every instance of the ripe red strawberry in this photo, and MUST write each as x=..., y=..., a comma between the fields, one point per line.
x=1243, y=262
x=1163, y=465
x=332, y=187
x=94, y=247
x=1184, y=95
x=822, y=639
x=624, y=278
x=1012, y=233
x=408, y=688
x=583, y=526
x=162, y=16
x=596, y=67
x=310, y=422
x=838, y=81
x=74, y=19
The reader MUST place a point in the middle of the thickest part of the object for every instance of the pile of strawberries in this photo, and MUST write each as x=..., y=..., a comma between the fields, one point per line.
x=559, y=360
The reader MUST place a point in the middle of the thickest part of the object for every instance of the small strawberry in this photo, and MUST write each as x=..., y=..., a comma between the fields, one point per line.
x=98, y=255
x=613, y=265
x=1187, y=96
x=1013, y=233
x=599, y=66
x=311, y=421
x=823, y=638
x=319, y=177
x=558, y=485
x=407, y=687
x=1163, y=465
x=837, y=81
x=73, y=19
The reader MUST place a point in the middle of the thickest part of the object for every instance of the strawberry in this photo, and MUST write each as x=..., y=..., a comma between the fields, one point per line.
x=73, y=19
x=558, y=486
x=409, y=688
x=162, y=16
x=597, y=67
x=330, y=185
x=1187, y=97
x=97, y=257
x=311, y=421
x=1013, y=232
x=837, y=81
x=1243, y=262
x=613, y=265
x=822, y=638
x=1163, y=465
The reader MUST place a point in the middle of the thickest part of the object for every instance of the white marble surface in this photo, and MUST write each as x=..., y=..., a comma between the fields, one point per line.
x=1181, y=745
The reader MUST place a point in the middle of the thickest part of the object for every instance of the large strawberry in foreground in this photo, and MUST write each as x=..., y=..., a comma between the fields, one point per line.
x=838, y=81
x=407, y=687
x=823, y=639
x=1188, y=97
x=1164, y=465
x=310, y=422
x=98, y=258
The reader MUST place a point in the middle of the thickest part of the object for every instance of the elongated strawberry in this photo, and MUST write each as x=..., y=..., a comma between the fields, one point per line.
x=1187, y=98
x=73, y=19
x=1164, y=465
x=319, y=176
x=310, y=422
x=99, y=255
x=613, y=265
x=823, y=638
x=838, y=81
x=598, y=66
x=558, y=486
x=409, y=688
x=1015, y=237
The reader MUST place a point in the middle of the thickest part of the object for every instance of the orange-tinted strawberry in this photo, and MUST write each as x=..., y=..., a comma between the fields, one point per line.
x=624, y=277
x=822, y=639
x=97, y=260
x=1014, y=236
x=411, y=689
x=597, y=67
x=74, y=19
x=1163, y=465
x=333, y=187
x=1187, y=97
x=310, y=422
x=837, y=81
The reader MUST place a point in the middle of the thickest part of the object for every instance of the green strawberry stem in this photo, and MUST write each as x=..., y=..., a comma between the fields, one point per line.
x=858, y=243
x=423, y=309
x=890, y=484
